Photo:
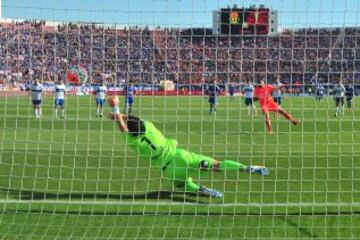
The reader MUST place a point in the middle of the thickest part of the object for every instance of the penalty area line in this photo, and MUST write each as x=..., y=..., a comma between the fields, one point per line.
x=164, y=203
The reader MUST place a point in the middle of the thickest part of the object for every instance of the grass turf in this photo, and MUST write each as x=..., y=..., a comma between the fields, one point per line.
x=76, y=178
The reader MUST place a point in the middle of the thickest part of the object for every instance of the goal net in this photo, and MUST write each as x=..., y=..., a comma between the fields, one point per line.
x=191, y=71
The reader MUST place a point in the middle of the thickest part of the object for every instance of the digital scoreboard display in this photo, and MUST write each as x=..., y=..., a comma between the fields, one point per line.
x=244, y=21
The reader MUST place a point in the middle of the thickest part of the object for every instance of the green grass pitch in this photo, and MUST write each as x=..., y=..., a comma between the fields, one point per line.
x=76, y=179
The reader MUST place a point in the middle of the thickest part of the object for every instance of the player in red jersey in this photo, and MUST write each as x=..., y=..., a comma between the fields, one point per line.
x=264, y=94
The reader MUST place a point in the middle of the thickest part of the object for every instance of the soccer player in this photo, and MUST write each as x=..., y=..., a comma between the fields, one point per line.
x=277, y=93
x=248, y=94
x=100, y=96
x=129, y=92
x=176, y=164
x=263, y=93
x=213, y=92
x=319, y=92
x=36, y=97
x=231, y=91
x=349, y=93
x=339, y=91
x=59, y=96
x=309, y=90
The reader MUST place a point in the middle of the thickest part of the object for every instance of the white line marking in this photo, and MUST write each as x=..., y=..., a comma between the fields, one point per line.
x=162, y=203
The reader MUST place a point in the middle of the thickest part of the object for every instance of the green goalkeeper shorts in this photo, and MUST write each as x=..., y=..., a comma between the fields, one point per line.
x=185, y=164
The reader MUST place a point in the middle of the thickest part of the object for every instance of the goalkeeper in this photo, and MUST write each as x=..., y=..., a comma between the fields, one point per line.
x=176, y=164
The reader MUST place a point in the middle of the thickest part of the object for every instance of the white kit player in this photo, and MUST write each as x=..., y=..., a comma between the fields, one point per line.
x=248, y=95
x=339, y=98
x=277, y=94
x=36, y=97
x=59, y=98
x=100, y=95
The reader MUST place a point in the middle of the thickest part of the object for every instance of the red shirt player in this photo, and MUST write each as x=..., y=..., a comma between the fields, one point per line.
x=267, y=104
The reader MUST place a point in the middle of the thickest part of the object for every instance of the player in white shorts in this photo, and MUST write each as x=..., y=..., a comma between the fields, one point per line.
x=59, y=98
x=339, y=90
x=100, y=95
x=36, y=90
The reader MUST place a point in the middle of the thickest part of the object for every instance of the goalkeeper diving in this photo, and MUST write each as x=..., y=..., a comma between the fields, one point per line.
x=176, y=164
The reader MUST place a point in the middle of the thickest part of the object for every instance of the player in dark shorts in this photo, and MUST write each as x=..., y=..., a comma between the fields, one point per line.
x=213, y=92
x=231, y=91
x=349, y=94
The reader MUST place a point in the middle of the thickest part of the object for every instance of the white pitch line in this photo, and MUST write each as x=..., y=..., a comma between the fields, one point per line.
x=163, y=203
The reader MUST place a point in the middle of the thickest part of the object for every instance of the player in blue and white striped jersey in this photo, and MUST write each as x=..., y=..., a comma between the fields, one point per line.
x=36, y=90
x=59, y=98
x=248, y=95
x=100, y=96
x=129, y=92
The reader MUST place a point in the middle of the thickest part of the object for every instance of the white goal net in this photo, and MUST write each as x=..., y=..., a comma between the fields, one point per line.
x=238, y=119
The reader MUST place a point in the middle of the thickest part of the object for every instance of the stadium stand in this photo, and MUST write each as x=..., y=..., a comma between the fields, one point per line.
x=37, y=49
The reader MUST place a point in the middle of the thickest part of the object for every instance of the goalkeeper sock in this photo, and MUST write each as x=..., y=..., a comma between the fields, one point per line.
x=232, y=166
x=191, y=186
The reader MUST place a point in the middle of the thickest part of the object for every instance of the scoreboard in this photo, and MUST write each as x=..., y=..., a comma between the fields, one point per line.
x=244, y=21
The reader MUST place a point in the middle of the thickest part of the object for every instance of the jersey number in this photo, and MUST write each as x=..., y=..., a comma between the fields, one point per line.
x=145, y=139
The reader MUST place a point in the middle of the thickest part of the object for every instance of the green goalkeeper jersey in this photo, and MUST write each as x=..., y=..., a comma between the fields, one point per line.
x=153, y=145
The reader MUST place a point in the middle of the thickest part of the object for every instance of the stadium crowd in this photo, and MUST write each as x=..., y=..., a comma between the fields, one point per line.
x=31, y=49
